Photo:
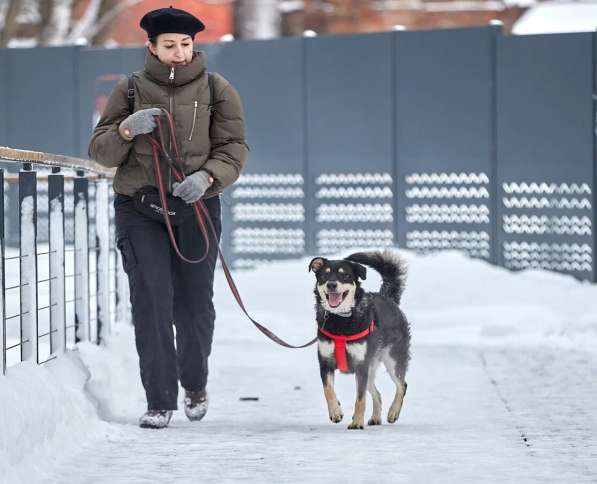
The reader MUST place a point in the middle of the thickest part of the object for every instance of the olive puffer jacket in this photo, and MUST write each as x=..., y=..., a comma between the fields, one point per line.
x=184, y=91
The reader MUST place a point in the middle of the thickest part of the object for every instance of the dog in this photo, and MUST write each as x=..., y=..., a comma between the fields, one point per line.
x=359, y=330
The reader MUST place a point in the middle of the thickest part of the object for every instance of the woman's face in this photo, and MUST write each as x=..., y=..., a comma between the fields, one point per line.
x=173, y=49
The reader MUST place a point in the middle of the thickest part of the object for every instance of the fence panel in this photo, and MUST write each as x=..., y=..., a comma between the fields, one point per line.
x=349, y=94
x=3, y=281
x=57, y=271
x=546, y=170
x=444, y=136
x=28, y=265
x=83, y=330
x=263, y=214
x=102, y=238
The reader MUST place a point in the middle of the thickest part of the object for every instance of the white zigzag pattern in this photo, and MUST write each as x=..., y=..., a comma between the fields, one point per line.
x=543, y=202
x=263, y=192
x=447, y=213
x=354, y=179
x=355, y=213
x=446, y=178
x=547, y=225
x=354, y=192
x=271, y=179
x=268, y=212
x=444, y=192
x=557, y=266
x=526, y=255
x=546, y=247
x=551, y=188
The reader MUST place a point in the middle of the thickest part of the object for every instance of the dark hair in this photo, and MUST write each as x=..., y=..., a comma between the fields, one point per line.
x=154, y=39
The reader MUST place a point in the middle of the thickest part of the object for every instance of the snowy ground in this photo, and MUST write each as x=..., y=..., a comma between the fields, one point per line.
x=501, y=389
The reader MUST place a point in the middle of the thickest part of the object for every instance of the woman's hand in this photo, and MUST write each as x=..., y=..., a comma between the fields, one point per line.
x=193, y=186
x=140, y=122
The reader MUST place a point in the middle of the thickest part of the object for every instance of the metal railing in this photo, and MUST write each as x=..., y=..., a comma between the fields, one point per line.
x=61, y=290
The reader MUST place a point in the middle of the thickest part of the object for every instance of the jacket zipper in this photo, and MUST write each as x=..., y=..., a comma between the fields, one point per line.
x=194, y=117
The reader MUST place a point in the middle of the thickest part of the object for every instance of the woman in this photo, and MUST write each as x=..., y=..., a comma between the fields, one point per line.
x=165, y=289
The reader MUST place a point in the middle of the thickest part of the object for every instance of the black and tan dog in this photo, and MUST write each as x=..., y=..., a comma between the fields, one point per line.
x=359, y=330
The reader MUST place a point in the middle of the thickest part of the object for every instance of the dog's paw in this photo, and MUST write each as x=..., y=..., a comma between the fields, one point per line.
x=393, y=416
x=356, y=426
x=374, y=421
x=335, y=412
x=336, y=416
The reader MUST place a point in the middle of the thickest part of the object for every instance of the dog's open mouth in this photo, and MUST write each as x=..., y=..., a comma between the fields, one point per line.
x=335, y=298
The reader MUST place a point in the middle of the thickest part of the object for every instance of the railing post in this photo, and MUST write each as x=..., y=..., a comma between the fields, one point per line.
x=81, y=216
x=123, y=313
x=57, y=284
x=102, y=237
x=28, y=262
x=2, y=275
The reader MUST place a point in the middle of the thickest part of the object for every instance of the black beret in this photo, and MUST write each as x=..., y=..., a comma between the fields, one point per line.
x=170, y=21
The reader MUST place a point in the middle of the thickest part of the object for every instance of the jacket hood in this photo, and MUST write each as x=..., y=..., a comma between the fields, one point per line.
x=160, y=72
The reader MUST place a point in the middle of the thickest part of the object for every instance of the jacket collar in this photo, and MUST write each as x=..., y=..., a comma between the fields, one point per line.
x=160, y=73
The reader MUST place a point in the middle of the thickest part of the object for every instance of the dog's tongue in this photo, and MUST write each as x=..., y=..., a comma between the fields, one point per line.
x=335, y=298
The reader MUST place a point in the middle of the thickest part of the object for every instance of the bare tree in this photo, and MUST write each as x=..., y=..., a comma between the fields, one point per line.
x=56, y=25
x=10, y=21
x=55, y=21
x=256, y=19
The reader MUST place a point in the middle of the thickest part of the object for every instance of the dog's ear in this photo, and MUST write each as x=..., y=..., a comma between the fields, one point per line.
x=316, y=264
x=359, y=270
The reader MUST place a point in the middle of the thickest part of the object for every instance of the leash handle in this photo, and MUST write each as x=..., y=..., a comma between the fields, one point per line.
x=201, y=214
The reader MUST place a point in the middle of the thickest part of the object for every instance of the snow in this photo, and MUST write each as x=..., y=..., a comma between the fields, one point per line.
x=500, y=390
x=558, y=17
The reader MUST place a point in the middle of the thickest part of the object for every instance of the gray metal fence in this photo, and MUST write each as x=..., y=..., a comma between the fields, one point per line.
x=67, y=287
x=430, y=140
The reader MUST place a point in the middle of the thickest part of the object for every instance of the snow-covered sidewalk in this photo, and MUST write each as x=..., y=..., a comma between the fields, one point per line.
x=501, y=389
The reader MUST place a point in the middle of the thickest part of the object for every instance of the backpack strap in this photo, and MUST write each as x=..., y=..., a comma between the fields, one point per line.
x=212, y=88
x=130, y=94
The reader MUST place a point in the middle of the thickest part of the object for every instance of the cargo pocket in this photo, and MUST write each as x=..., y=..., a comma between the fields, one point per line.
x=129, y=261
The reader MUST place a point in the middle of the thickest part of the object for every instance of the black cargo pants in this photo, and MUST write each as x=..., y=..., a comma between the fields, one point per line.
x=164, y=290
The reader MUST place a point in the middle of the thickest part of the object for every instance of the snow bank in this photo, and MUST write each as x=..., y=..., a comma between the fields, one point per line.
x=45, y=413
x=449, y=299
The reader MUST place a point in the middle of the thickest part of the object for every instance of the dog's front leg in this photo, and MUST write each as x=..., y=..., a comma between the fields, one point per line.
x=327, y=377
x=358, y=418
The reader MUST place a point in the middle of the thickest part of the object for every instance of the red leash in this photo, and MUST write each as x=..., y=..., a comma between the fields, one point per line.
x=201, y=215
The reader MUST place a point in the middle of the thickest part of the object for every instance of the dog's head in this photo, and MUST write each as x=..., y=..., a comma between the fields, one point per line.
x=337, y=283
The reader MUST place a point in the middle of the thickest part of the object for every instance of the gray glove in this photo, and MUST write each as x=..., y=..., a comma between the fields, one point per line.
x=140, y=122
x=193, y=186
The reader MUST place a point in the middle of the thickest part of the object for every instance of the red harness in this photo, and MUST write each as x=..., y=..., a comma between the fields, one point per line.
x=340, y=343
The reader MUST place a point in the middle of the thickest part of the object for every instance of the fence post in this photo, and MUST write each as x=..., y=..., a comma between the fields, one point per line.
x=28, y=262
x=2, y=275
x=81, y=216
x=122, y=312
x=102, y=237
x=57, y=284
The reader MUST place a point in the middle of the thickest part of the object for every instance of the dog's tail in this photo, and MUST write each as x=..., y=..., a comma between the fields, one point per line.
x=391, y=268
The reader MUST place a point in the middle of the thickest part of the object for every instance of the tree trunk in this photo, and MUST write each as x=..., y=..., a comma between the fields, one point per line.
x=256, y=20
x=10, y=23
x=55, y=21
